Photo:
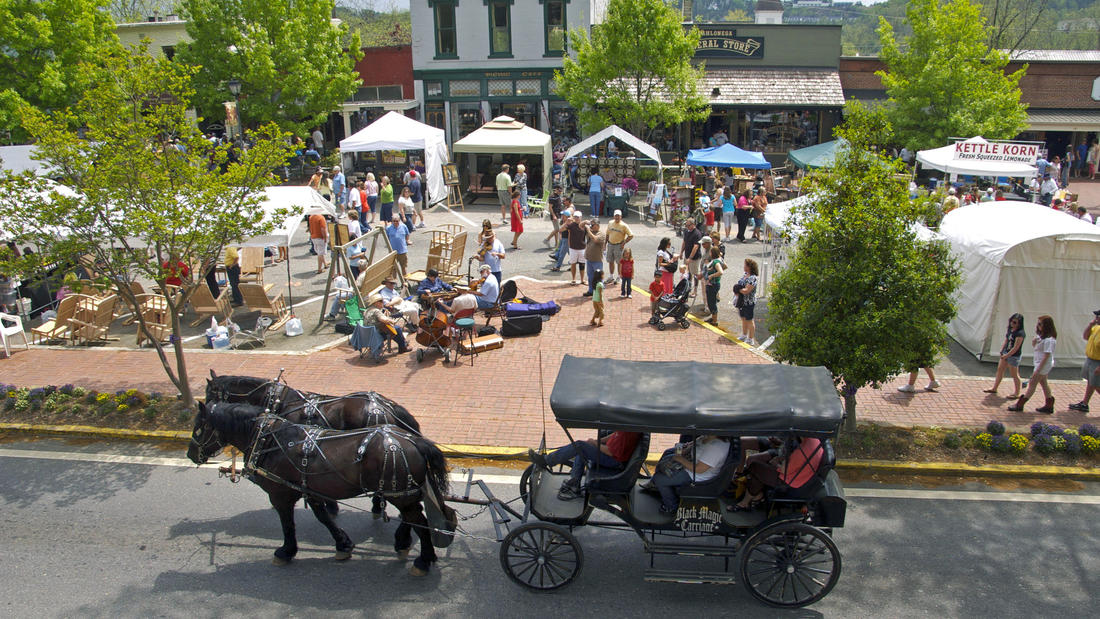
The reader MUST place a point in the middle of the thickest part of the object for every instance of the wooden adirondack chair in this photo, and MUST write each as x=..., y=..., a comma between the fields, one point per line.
x=255, y=297
x=59, y=327
x=205, y=305
x=155, y=312
x=97, y=328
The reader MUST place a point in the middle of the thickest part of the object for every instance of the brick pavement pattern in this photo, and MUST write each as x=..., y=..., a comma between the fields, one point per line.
x=498, y=400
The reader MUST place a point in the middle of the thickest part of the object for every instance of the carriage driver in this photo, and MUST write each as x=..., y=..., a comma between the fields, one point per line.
x=611, y=453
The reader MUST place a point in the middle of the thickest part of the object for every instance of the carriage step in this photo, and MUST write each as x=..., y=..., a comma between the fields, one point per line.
x=694, y=578
x=699, y=550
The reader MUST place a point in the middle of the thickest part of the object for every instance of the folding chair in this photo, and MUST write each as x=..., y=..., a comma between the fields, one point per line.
x=507, y=294
x=7, y=331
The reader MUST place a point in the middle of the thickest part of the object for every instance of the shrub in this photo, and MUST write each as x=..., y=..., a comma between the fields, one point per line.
x=1090, y=444
x=149, y=413
x=1044, y=444
x=952, y=440
x=1037, y=428
x=1072, y=444
x=984, y=440
x=1000, y=444
x=100, y=398
x=995, y=428
x=1087, y=429
x=1018, y=442
x=1052, y=429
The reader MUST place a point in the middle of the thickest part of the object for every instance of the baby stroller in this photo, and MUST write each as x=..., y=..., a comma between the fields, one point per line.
x=674, y=306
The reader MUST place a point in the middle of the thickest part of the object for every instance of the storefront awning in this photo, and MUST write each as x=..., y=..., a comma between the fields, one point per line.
x=1063, y=120
x=797, y=88
x=390, y=105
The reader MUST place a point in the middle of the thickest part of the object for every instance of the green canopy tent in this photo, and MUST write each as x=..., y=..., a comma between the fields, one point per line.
x=817, y=156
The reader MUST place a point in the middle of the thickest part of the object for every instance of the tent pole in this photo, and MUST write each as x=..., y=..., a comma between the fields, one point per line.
x=289, y=280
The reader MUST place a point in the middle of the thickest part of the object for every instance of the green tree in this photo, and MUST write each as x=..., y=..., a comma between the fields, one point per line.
x=861, y=294
x=145, y=192
x=634, y=70
x=944, y=81
x=44, y=45
x=289, y=57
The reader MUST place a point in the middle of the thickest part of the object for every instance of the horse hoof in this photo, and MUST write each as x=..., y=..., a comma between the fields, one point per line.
x=280, y=561
x=416, y=571
x=403, y=553
x=343, y=555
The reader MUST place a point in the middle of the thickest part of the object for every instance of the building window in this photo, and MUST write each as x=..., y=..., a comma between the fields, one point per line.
x=465, y=88
x=500, y=28
x=529, y=87
x=446, y=31
x=435, y=116
x=433, y=89
x=379, y=93
x=500, y=88
x=169, y=51
x=554, y=19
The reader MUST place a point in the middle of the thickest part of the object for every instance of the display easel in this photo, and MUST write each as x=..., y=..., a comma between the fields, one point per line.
x=454, y=194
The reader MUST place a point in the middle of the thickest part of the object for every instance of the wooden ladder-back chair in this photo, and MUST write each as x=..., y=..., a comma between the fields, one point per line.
x=204, y=303
x=155, y=312
x=255, y=297
x=59, y=327
x=252, y=264
x=102, y=314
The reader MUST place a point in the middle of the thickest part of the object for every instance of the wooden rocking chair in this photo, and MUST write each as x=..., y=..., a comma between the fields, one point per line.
x=58, y=328
x=255, y=297
x=103, y=314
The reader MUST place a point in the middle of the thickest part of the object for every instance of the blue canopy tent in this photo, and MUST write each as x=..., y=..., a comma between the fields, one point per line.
x=728, y=156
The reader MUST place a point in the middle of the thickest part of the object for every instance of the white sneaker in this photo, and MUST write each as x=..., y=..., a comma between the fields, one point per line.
x=742, y=337
x=907, y=388
x=751, y=342
x=932, y=386
x=420, y=225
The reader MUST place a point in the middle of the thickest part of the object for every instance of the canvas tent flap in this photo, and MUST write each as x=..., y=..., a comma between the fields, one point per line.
x=21, y=158
x=943, y=159
x=301, y=201
x=1022, y=258
x=505, y=135
x=728, y=156
x=617, y=132
x=394, y=131
x=817, y=156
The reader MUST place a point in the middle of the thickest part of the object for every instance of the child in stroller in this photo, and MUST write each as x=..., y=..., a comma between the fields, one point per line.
x=674, y=306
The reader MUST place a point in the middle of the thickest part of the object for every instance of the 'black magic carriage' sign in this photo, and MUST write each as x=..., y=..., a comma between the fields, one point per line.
x=724, y=42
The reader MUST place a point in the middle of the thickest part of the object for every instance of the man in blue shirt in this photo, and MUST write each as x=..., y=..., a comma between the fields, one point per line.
x=490, y=289
x=595, y=192
x=398, y=234
x=431, y=284
x=339, y=186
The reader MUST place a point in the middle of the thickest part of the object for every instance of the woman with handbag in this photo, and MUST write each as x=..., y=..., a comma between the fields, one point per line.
x=746, y=294
x=667, y=262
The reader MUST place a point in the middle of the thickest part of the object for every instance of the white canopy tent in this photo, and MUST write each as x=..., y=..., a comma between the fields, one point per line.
x=615, y=131
x=1026, y=258
x=300, y=202
x=394, y=131
x=944, y=160
x=505, y=135
x=21, y=158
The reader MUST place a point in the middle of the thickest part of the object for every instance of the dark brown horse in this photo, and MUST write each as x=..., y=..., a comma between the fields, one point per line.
x=362, y=409
x=289, y=461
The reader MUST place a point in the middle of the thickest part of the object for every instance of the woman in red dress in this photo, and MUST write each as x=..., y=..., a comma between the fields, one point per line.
x=516, y=219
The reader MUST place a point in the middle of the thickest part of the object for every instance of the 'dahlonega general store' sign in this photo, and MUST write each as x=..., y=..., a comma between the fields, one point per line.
x=725, y=42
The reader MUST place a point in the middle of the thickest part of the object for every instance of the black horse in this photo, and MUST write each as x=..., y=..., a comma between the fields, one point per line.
x=362, y=409
x=290, y=460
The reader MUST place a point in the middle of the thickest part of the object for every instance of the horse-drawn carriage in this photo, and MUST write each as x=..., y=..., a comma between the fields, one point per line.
x=784, y=552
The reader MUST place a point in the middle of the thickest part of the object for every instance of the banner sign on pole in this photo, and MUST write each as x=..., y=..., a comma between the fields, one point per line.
x=1014, y=152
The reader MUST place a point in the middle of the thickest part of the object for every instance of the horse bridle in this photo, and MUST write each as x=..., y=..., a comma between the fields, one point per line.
x=208, y=439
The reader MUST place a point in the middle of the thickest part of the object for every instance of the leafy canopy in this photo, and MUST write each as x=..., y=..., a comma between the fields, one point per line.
x=861, y=294
x=289, y=57
x=45, y=43
x=943, y=81
x=634, y=70
x=148, y=188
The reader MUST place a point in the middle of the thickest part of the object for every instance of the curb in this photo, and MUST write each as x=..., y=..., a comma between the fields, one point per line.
x=956, y=469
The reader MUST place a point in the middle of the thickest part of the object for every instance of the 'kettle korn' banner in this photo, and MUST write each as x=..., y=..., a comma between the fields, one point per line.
x=997, y=151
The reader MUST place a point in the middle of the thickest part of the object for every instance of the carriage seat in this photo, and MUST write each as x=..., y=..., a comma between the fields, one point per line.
x=810, y=488
x=717, y=485
x=622, y=481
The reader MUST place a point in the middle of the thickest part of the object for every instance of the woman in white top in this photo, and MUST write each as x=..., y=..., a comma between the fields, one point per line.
x=405, y=208
x=1044, y=342
x=371, y=187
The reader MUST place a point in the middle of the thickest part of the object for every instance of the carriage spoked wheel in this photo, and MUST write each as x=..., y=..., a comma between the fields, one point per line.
x=789, y=564
x=525, y=483
x=541, y=556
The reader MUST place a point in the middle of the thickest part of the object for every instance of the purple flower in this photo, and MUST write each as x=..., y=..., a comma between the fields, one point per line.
x=1000, y=443
x=1037, y=428
x=37, y=393
x=1086, y=429
x=995, y=428
x=1052, y=429
x=1073, y=444
x=1044, y=444
x=67, y=388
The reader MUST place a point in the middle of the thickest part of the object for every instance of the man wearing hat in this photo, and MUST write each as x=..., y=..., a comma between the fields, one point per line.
x=951, y=202
x=558, y=255
x=618, y=235
x=394, y=302
x=339, y=186
x=376, y=317
x=1091, y=370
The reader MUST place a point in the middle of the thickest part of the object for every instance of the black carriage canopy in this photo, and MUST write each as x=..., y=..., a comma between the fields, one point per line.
x=698, y=398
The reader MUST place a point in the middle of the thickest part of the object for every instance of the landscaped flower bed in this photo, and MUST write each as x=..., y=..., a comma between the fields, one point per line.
x=69, y=404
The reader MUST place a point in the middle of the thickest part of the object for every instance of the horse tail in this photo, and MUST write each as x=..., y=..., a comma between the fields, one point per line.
x=435, y=463
x=404, y=418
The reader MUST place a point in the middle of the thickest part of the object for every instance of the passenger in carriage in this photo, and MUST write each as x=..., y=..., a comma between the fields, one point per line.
x=801, y=465
x=679, y=467
x=610, y=453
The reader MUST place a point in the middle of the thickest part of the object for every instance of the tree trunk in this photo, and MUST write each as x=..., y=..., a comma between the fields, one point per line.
x=850, y=412
x=182, y=384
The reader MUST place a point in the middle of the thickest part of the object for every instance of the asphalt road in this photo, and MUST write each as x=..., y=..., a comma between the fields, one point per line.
x=82, y=537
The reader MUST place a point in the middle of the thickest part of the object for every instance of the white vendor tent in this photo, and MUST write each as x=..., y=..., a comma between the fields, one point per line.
x=395, y=131
x=944, y=160
x=505, y=135
x=615, y=131
x=299, y=202
x=1026, y=258
x=778, y=218
x=20, y=158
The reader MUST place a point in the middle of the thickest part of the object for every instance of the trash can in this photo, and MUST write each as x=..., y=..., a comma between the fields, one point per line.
x=616, y=202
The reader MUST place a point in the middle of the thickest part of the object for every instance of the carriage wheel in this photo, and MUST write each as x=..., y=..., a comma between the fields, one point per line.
x=525, y=483
x=789, y=564
x=660, y=326
x=541, y=556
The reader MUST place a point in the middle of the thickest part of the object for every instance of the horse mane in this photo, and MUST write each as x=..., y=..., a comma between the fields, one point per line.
x=228, y=382
x=400, y=413
x=234, y=418
x=435, y=463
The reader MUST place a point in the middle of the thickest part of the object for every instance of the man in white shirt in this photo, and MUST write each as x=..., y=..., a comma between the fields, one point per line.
x=489, y=291
x=710, y=455
x=1083, y=214
x=343, y=292
x=721, y=138
x=393, y=301
x=318, y=140
x=461, y=302
x=1046, y=190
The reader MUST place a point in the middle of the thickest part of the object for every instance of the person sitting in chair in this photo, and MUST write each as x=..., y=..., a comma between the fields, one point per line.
x=489, y=291
x=376, y=317
x=802, y=463
x=610, y=453
x=398, y=305
x=433, y=283
x=462, y=302
x=681, y=467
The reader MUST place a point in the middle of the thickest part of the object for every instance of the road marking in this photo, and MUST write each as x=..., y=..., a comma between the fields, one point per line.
x=459, y=476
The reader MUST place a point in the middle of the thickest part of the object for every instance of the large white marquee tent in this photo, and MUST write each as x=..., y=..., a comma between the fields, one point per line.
x=506, y=135
x=1026, y=258
x=395, y=131
x=945, y=160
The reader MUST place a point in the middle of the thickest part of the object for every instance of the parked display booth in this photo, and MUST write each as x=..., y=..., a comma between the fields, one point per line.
x=398, y=132
x=1026, y=258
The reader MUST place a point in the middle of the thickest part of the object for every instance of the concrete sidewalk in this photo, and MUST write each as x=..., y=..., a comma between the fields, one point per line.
x=501, y=397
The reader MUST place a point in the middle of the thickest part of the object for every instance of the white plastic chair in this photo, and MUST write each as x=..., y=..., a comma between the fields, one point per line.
x=7, y=332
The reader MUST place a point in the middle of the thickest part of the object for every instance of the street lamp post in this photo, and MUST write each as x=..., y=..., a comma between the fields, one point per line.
x=235, y=90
